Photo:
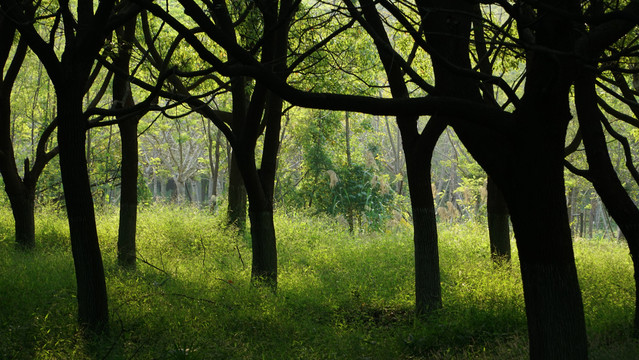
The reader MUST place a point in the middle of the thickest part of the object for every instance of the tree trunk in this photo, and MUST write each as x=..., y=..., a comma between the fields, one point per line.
x=428, y=294
x=128, y=125
x=180, y=190
x=418, y=150
x=498, y=228
x=129, y=194
x=93, y=312
x=20, y=191
x=216, y=171
x=264, y=265
x=525, y=158
x=603, y=176
x=556, y=325
x=236, y=211
x=23, y=208
x=236, y=196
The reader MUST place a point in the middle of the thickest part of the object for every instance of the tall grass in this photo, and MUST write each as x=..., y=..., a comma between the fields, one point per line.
x=340, y=296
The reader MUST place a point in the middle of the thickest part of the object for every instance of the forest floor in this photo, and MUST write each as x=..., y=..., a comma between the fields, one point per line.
x=340, y=296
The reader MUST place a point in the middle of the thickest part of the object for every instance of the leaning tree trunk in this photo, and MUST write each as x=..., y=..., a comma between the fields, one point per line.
x=93, y=312
x=498, y=228
x=603, y=176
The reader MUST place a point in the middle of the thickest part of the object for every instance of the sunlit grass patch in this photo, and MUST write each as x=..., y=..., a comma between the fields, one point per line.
x=340, y=295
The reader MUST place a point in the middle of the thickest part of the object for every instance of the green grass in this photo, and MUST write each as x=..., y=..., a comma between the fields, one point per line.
x=340, y=296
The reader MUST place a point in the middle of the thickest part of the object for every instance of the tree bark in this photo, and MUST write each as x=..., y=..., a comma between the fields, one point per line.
x=20, y=191
x=347, y=133
x=498, y=227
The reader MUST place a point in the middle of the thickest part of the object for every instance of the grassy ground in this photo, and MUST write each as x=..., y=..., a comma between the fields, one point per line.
x=340, y=296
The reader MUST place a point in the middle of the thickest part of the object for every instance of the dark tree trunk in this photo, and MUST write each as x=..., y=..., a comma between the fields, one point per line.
x=603, y=176
x=129, y=194
x=418, y=150
x=556, y=325
x=264, y=248
x=23, y=205
x=236, y=196
x=261, y=198
x=128, y=125
x=21, y=193
x=497, y=211
x=70, y=75
x=216, y=170
x=20, y=190
x=259, y=184
x=236, y=211
x=428, y=294
x=264, y=114
x=347, y=133
x=93, y=312
x=498, y=227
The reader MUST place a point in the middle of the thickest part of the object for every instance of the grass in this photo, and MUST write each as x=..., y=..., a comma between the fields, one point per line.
x=340, y=296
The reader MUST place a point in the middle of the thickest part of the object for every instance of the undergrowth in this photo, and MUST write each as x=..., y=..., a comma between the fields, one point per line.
x=340, y=296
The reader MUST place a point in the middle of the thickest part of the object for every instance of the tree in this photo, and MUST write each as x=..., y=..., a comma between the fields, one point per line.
x=262, y=114
x=532, y=142
x=85, y=30
x=601, y=171
x=418, y=150
x=20, y=189
x=497, y=210
x=128, y=125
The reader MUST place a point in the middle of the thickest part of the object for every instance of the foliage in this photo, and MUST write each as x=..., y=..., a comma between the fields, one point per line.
x=359, y=194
